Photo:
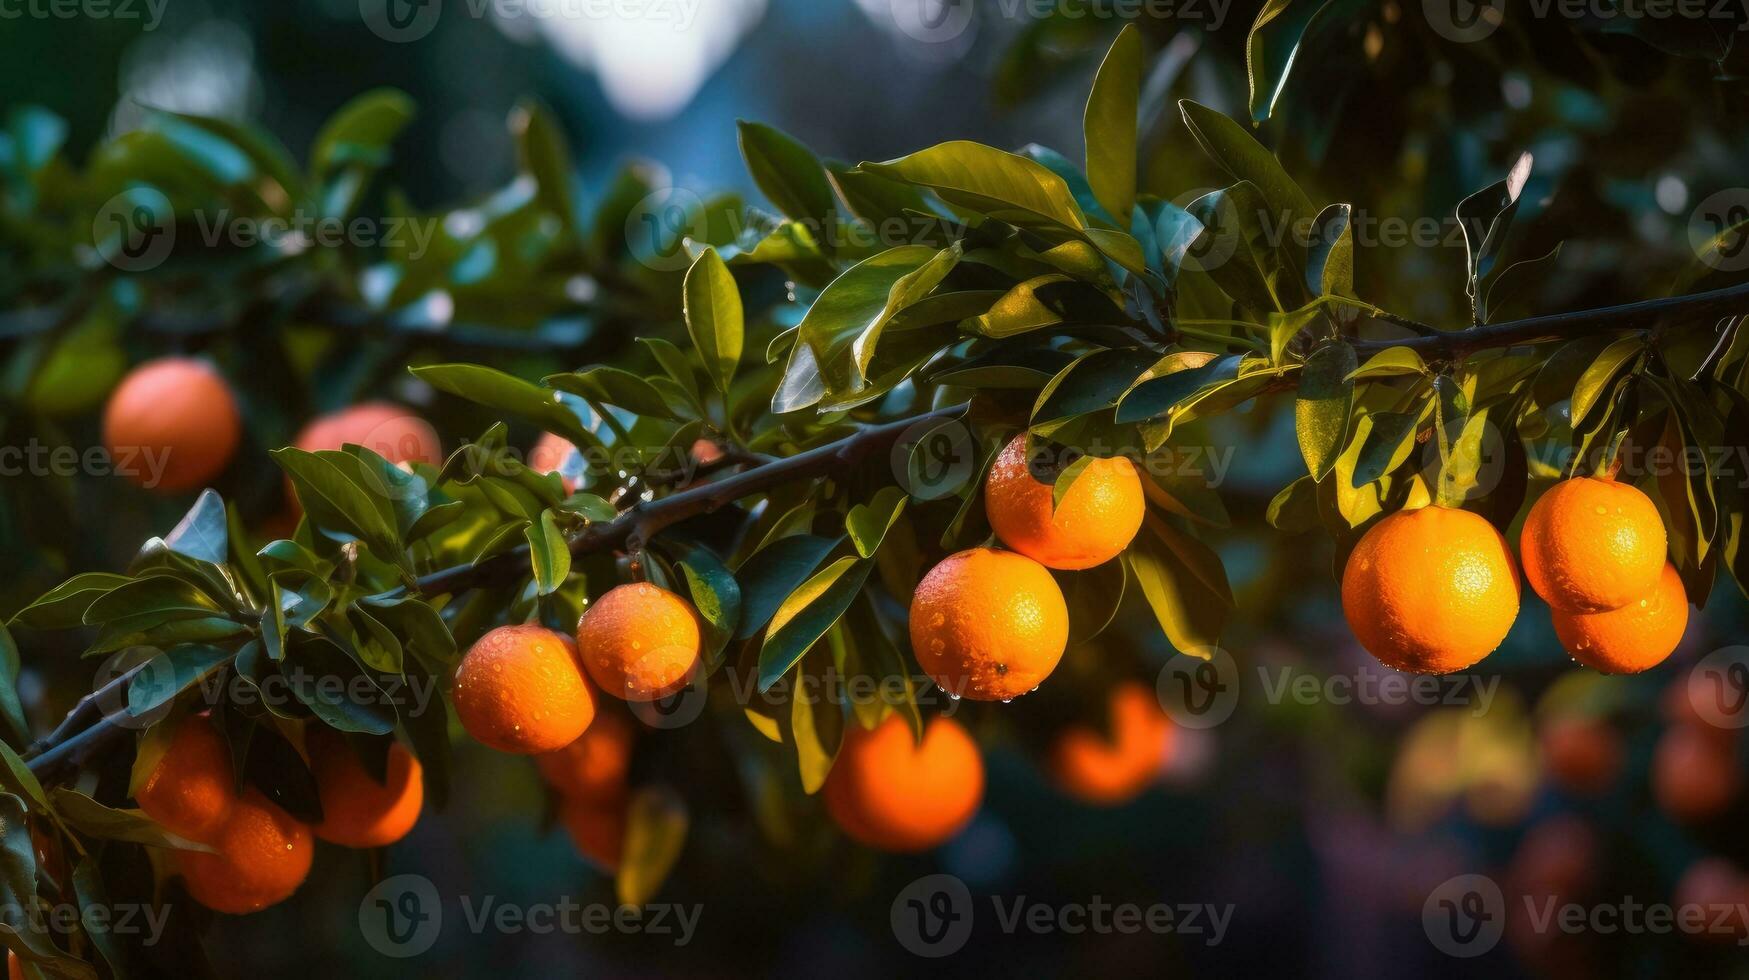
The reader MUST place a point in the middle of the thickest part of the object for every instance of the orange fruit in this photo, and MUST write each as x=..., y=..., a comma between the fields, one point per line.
x=1431, y=590
x=1694, y=774
x=519, y=689
x=1583, y=756
x=1633, y=638
x=549, y=455
x=988, y=625
x=597, y=830
x=262, y=855
x=594, y=766
x=1096, y=769
x=14, y=968
x=175, y=413
x=193, y=788
x=1591, y=544
x=1094, y=522
x=358, y=811
x=640, y=642
x=889, y=792
x=392, y=432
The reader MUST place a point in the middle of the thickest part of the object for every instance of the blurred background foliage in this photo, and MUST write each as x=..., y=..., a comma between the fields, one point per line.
x=1326, y=824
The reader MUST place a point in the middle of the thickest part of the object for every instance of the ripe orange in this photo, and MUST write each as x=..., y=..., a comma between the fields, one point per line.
x=1694, y=774
x=192, y=790
x=519, y=689
x=1430, y=591
x=594, y=766
x=14, y=969
x=1633, y=638
x=358, y=811
x=1591, y=544
x=597, y=830
x=549, y=455
x=1094, y=522
x=890, y=793
x=175, y=413
x=988, y=625
x=640, y=642
x=263, y=855
x=392, y=432
x=1582, y=755
x=1096, y=769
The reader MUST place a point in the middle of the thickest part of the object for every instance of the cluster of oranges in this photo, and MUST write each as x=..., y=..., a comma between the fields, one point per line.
x=258, y=854
x=531, y=691
x=1434, y=590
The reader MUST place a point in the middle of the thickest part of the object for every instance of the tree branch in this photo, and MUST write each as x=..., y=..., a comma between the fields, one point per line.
x=81, y=732
x=1538, y=329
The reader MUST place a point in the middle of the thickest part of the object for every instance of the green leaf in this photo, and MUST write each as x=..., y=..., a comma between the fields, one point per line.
x=10, y=709
x=717, y=597
x=613, y=386
x=772, y=573
x=1295, y=509
x=1390, y=362
x=415, y=622
x=94, y=819
x=1093, y=597
x=338, y=504
x=1284, y=327
x=1244, y=159
x=656, y=825
x=714, y=317
x=18, y=777
x=1321, y=408
x=1002, y=185
x=541, y=153
x=1597, y=377
x=324, y=678
x=361, y=131
x=162, y=596
x=96, y=914
x=549, y=553
x=1109, y=124
x=170, y=673
x=1330, y=255
x=806, y=614
x=507, y=393
x=64, y=606
x=1274, y=45
x=1385, y=440
x=843, y=325
x=869, y=523
x=788, y=173
x=1484, y=218
x=202, y=533
x=1184, y=583
x=1247, y=259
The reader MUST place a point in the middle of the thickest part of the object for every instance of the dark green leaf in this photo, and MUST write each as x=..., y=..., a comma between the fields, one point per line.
x=714, y=317
x=1321, y=408
x=1109, y=124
